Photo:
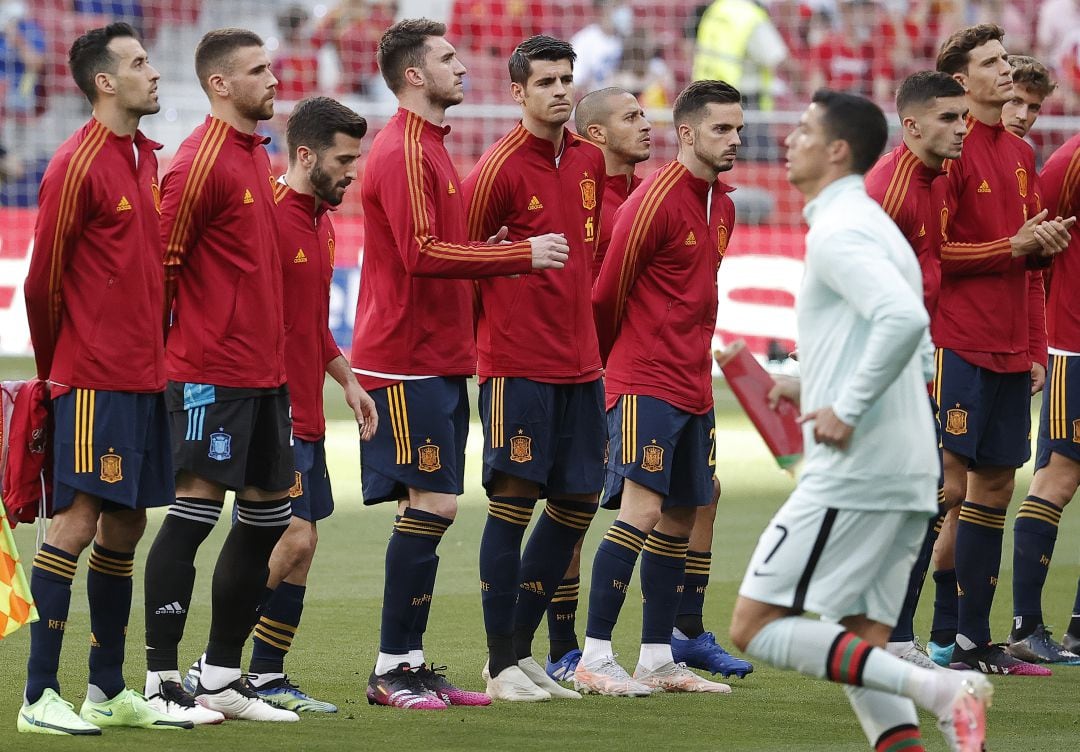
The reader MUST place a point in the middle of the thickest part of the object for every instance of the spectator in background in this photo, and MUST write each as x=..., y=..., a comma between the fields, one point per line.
x=22, y=63
x=353, y=29
x=296, y=62
x=643, y=72
x=738, y=43
x=599, y=46
x=496, y=27
x=1058, y=22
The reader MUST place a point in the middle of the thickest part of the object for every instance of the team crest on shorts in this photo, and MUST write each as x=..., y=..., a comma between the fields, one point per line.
x=652, y=458
x=956, y=421
x=520, y=448
x=297, y=489
x=1076, y=431
x=429, y=457
x=112, y=467
x=220, y=446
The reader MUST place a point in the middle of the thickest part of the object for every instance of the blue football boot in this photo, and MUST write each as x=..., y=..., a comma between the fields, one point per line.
x=703, y=653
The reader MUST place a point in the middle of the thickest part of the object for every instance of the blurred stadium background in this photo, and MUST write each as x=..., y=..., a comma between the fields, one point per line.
x=648, y=46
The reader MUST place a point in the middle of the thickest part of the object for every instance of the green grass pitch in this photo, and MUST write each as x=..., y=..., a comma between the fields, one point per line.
x=335, y=646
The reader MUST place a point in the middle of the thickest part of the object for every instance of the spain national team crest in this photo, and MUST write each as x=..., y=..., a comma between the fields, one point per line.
x=112, y=467
x=944, y=222
x=721, y=240
x=956, y=422
x=330, y=249
x=520, y=448
x=156, y=192
x=1076, y=431
x=588, y=193
x=1022, y=182
x=220, y=446
x=652, y=458
x=297, y=489
x=429, y=458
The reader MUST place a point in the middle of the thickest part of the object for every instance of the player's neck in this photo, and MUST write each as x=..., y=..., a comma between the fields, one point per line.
x=696, y=167
x=917, y=148
x=120, y=122
x=418, y=103
x=222, y=111
x=551, y=132
x=986, y=113
x=297, y=180
x=615, y=165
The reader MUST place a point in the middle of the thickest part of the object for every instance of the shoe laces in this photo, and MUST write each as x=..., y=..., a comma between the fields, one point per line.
x=411, y=679
x=174, y=692
x=611, y=667
x=243, y=687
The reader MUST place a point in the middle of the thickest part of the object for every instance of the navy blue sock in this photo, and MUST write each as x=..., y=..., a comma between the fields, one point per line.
x=904, y=631
x=410, y=563
x=978, y=558
x=416, y=635
x=688, y=618
x=544, y=562
x=943, y=625
x=1035, y=532
x=500, y=564
x=562, y=618
x=108, y=588
x=663, y=566
x=274, y=632
x=613, y=568
x=50, y=584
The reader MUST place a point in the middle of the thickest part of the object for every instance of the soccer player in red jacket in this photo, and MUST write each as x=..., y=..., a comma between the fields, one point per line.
x=414, y=347
x=541, y=393
x=933, y=113
x=995, y=238
x=1057, y=461
x=614, y=120
x=655, y=305
x=225, y=359
x=323, y=138
x=94, y=293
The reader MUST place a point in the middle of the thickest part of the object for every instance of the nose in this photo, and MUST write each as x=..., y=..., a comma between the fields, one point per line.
x=154, y=74
x=788, y=138
x=646, y=126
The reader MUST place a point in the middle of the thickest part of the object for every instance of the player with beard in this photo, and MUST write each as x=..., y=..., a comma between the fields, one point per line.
x=413, y=344
x=541, y=395
x=323, y=137
x=995, y=239
x=933, y=116
x=225, y=360
x=94, y=293
x=655, y=306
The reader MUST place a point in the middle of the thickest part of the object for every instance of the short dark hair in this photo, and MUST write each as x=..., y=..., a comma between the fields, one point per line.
x=955, y=52
x=89, y=56
x=856, y=120
x=403, y=46
x=690, y=104
x=1029, y=72
x=924, y=86
x=594, y=108
x=315, y=122
x=215, y=51
x=539, y=47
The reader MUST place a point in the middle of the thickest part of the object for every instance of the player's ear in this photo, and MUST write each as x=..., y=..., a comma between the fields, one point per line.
x=414, y=77
x=686, y=134
x=961, y=78
x=911, y=126
x=596, y=133
x=517, y=92
x=104, y=83
x=217, y=84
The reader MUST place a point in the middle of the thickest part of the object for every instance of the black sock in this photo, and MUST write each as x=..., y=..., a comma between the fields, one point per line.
x=50, y=584
x=170, y=577
x=240, y=576
x=409, y=577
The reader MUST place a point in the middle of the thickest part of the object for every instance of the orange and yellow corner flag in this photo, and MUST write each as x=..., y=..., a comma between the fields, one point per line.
x=16, y=603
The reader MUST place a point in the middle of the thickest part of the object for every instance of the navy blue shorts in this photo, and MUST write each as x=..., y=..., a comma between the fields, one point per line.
x=112, y=445
x=659, y=446
x=550, y=434
x=1059, y=419
x=985, y=416
x=312, y=498
x=232, y=436
x=423, y=426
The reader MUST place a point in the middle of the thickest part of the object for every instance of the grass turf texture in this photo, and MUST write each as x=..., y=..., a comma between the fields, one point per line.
x=335, y=646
